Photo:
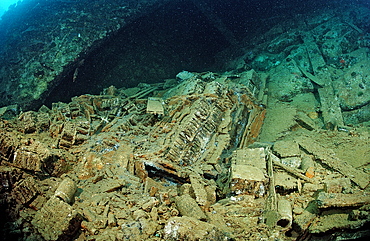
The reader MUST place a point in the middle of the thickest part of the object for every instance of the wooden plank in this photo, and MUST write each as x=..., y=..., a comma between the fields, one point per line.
x=312, y=77
x=330, y=108
x=340, y=200
x=327, y=157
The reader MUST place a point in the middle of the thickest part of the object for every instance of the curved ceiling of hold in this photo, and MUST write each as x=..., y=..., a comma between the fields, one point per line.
x=155, y=47
x=181, y=35
x=178, y=35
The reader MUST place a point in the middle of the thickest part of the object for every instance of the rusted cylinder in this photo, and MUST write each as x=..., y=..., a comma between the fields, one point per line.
x=187, y=206
x=66, y=190
x=284, y=210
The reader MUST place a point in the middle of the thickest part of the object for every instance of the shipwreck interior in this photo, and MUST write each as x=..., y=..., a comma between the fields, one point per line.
x=180, y=35
x=157, y=46
x=185, y=120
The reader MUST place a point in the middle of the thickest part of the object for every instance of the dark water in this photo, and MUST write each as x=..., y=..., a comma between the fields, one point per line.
x=180, y=35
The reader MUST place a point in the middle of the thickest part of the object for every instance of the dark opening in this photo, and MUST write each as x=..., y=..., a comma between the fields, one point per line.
x=155, y=47
x=283, y=222
x=181, y=35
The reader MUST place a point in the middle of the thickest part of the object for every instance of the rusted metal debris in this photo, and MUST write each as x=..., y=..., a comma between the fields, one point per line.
x=116, y=166
x=327, y=157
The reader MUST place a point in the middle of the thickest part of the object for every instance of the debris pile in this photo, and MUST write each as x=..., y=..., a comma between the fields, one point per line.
x=153, y=163
x=278, y=154
x=125, y=166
